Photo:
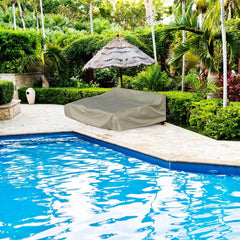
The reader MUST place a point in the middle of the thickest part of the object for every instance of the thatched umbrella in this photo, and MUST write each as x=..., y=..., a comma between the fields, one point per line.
x=121, y=54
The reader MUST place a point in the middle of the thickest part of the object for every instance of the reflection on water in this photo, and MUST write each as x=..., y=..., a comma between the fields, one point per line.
x=66, y=188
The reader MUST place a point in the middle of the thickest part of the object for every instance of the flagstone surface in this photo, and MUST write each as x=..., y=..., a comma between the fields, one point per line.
x=168, y=142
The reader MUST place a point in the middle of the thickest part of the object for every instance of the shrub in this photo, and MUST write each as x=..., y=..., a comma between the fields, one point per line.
x=6, y=92
x=14, y=45
x=208, y=117
x=132, y=83
x=153, y=79
x=179, y=106
x=200, y=84
x=233, y=87
x=106, y=77
x=60, y=95
x=203, y=111
x=225, y=125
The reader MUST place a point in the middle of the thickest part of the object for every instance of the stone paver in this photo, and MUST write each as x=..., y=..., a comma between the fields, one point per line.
x=167, y=141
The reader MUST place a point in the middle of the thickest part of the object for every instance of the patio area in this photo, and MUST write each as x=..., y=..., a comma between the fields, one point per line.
x=168, y=142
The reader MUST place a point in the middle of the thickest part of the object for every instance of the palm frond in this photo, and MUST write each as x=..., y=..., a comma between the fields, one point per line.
x=55, y=54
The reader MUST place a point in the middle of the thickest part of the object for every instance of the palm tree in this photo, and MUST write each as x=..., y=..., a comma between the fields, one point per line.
x=183, y=40
x=232, y=6
x=90, y=3
x=201, y=7
x=21, y=14
x=148, y=16
x=43, y=28
x=13, y=2
x=224, y=44
x=152, y=29
x=200, y=42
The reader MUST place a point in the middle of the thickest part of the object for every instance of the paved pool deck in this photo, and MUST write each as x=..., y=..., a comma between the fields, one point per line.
x=168, y=142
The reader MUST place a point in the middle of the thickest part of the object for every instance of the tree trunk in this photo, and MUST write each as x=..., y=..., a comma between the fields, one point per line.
x=14, y=15
x=229, y=11
x=45, y=82
x=89, y=75
x=152, y=29
x=224, y=56
x=43, y=28
x=238, y=65
x=184, y=56
x=37, y=23
x=21, y=15
x=91, y=20
x=148, y=13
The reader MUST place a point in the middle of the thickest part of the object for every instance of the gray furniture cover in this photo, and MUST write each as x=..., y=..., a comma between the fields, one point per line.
x=119, y=109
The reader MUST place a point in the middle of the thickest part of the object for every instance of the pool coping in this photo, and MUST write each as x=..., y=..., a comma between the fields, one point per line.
x=195, y=167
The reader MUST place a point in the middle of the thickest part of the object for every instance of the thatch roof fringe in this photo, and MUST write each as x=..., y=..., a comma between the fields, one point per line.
x=121, y=54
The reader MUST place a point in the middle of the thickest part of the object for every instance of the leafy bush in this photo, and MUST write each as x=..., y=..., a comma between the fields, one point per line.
x=153, y=79
x=106, y=77
x=179, y=106
x=14, y=45
x=226, y=124
x=209, y=118
x=203, y=111
x=132, y=83
x=60, y=95
x=200, y=84
x=6, y=92
x=233, y=87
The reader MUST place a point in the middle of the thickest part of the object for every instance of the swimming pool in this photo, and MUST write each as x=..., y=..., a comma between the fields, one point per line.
x=68, y=186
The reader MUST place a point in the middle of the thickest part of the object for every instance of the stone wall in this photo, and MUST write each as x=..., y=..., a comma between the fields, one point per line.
x=20, y=81
x=10, y=110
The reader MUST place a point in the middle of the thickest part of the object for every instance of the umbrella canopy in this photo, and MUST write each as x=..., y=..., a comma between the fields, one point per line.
x=121, y=54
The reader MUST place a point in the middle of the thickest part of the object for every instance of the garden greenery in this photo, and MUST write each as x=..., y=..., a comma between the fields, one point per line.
x=14, y=46
x=6, y=92
x=154, y=79
x=60, y=95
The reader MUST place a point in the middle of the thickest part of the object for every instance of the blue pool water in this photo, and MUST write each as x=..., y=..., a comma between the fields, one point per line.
x=62, y=187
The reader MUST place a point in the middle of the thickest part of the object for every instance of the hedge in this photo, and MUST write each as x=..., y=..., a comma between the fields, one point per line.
x=6, y=92
x=60, y=95
x=14, y=45
x=179, y=106
x=212, y=120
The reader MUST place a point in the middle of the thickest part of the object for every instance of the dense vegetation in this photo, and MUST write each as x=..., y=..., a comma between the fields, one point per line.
x=6, y=92
x=76, y=30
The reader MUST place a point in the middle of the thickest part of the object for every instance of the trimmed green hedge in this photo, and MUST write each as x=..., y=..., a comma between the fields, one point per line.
x=179, y=106
x=14, y=45
x=212, y=120
x=6, y=92
x=60, y=95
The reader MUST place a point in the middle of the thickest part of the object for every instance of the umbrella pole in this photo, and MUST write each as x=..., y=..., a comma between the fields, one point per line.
x=121, y=81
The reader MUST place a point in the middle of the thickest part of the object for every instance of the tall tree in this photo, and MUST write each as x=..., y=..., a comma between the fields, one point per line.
x=43, y=26
x=13, y=2
x=90, y=5
x=183, y=39
x=232, y=8
x=148, y=13
x=21, y=14
x=224, y=44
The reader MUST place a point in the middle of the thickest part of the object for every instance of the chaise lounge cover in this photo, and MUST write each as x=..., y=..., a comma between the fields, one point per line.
x=119, y=109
